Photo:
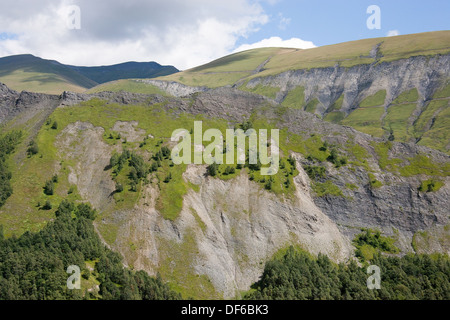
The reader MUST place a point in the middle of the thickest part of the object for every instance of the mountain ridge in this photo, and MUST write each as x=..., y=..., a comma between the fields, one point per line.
x=31, y=73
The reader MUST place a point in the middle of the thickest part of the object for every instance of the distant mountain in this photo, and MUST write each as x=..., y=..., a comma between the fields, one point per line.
x=30, y=73
x=127, y=70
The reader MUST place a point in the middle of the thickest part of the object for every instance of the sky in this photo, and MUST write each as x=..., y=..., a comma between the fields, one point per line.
x=188, y=33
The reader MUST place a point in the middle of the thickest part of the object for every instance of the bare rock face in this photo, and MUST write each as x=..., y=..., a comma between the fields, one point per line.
x=26, y=104
x=83, y=144
x=174, y=88
x=228, y=230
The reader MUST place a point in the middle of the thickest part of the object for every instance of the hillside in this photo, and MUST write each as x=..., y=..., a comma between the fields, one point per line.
x=210, y=236
x=246, y=65
x=30, y=73
x=395, y=87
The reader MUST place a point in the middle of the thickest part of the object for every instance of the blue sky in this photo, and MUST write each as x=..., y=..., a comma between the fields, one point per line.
x=327, y=22
x=188, y=33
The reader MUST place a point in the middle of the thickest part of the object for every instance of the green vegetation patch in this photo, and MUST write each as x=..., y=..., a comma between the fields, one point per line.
x=367, y=120
x=43, y=82
x=358, y=155
x=375, y=100
x=311, y=105
x=8, y=143
x=371, y=241
x=335, y=117
x=128, y=85
x=437, y=117
x=407, y=96
x=295, y=98
x=382, y=150
x=431, y=185
x=267, y=91
x=422, y=164
x=443, y=93
x=397, y=121
x=326, y=188
x=337, y=105
x=199, y=220
x=247, y=60
x=351, y=186
x=374, y=183
x=430, y=112
x=315, y=172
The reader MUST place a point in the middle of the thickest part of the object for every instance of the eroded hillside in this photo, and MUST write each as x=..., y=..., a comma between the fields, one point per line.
x=210, y=236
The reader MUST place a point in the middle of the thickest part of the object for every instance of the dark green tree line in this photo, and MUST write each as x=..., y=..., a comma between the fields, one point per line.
x=34, y=265
x=298, y=276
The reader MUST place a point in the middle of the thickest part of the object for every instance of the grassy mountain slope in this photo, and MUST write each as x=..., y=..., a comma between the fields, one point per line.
x=243, y=65
x=30, y=73
x=127, y=85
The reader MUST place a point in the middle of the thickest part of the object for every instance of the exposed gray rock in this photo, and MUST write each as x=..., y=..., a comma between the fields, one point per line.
x=356, y=83
x=174, y=88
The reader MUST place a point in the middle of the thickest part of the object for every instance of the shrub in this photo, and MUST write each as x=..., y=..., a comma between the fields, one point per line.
x=291, y=160
x=168, y=178
x=165, y=152
x=212, y=169
x=114, y=160
x=269, y=183
x=32, y=148
x=49, y=187
x=47, y=205
x=246, y=125
x=154, y=166
x=229, y=170
x=315, y=172
x=430, y=185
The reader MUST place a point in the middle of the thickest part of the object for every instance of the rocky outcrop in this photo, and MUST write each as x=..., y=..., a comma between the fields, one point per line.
x=356, y=83
x=174, y=88
x=26, y=106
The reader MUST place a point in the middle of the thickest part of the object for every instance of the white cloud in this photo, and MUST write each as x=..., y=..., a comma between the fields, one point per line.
x=178, y=32
x=393, y=33
x=278, y=42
